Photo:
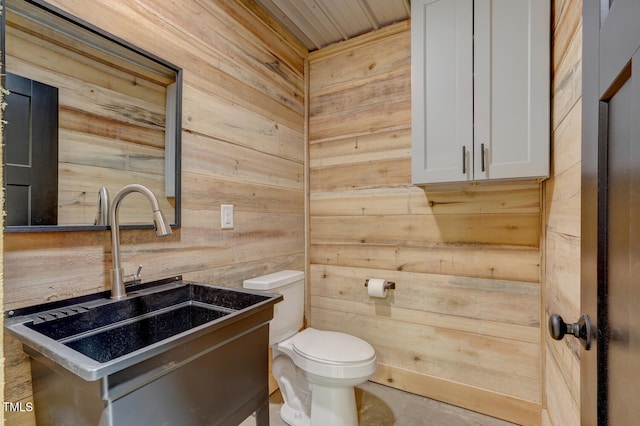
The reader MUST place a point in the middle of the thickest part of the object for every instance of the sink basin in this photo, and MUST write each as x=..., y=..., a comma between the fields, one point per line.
x=180, y=352
x=141, y=332
x=96, y=337
x=123, y=326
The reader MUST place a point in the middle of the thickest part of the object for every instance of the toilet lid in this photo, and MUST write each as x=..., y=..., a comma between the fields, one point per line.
x=332, y=347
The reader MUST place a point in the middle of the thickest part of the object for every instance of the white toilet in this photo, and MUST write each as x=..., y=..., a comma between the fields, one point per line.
x=316, y=370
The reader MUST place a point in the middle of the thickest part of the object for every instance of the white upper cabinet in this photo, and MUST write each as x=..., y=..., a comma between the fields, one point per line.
x=480, y=90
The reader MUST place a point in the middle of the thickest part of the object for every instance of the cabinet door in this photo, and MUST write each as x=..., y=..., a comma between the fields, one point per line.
x=442, y=90
x=511, y=92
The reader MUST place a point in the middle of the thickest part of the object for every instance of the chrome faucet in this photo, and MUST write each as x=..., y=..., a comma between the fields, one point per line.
x=161, y=227
x=102, y=215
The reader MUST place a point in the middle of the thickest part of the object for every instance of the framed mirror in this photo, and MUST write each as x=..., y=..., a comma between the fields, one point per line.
x=86, y=113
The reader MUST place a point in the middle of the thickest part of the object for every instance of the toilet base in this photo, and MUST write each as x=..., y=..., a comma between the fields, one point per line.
x=329, y=406
x=294, y=417
x=334, y=406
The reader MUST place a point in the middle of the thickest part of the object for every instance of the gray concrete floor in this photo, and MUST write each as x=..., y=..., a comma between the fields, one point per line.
x=380, y=405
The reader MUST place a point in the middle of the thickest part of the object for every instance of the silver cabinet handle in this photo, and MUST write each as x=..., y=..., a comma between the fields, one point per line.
x=482, y=154
x=464, y=160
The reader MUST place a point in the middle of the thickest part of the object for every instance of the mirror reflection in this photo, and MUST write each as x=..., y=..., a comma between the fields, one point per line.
x=86, y=114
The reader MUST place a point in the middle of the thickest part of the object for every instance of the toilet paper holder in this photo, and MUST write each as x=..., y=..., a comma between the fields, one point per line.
x=388, y=285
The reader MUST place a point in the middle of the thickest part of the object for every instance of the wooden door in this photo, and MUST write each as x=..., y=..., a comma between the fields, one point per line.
x=610, y=295
x=31, y=153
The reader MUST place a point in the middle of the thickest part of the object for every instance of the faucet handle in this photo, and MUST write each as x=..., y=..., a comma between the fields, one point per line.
x=134, y=278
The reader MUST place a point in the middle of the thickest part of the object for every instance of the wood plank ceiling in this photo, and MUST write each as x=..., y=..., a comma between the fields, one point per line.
x=318, y=23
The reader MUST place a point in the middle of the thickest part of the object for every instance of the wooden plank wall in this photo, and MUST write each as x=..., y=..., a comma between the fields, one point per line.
x=111, y=123
x=562, y=224
x=2, y=221
x=243, y=144
x=463, y=324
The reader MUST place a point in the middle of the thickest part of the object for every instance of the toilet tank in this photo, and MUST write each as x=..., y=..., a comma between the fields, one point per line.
x=288, y=314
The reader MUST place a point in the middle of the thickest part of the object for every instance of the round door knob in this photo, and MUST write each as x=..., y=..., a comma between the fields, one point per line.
x=581, y=329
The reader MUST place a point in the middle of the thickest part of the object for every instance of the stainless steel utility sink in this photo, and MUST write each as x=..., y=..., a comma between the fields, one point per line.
x=95, y=337
x=143, y=346
x=119, y=327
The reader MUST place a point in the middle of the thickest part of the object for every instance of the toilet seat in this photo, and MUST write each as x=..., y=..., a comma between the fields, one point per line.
x=331, y=347
x=330, y=354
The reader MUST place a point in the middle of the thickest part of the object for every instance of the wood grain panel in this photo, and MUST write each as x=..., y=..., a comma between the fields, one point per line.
x=93, y=126
x=2, y=345
x=86, y=149
x=210, y=115
x=567, y=79
x=567, y=16
x=209, y=192
x=446, y=295
x=371, y=147
x=239, y=163
x=56, y=55
x=391, y=87
x=132, y=20
x=235, y=52
x=562, y=405
x=367, y=57
x=18, y=383
x=467, y=325
x=234, y=275
x=563, y=201
x=482, y=261
x=562, y=274
x=360, y=121
x=567, y=140
x=372, y=174
x=519, y=230
x=562, y=218
x=419, y=201
x=500, y=365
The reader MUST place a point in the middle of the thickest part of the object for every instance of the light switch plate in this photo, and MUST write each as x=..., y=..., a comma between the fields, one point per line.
x=226, y=216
